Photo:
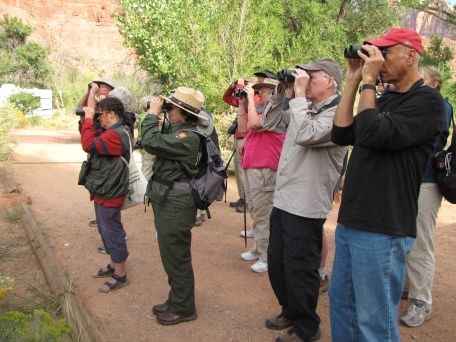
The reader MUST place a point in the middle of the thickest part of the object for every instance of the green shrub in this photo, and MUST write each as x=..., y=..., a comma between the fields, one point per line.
x=22, y=63
x=61, y=119
x=21, y=120
x=68, y=85
x=6, y=285
x=25, y=102
x=7, y=121
x=38, y=326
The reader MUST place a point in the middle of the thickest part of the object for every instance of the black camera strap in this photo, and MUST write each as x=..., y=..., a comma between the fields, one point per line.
x=333, y=103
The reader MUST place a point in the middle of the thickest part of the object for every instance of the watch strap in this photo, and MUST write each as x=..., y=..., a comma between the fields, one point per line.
x=367, y=86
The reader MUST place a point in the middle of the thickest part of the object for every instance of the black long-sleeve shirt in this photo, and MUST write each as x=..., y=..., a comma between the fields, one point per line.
x=392, y=145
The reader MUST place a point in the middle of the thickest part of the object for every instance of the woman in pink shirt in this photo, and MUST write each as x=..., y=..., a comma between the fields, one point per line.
x=260, y=159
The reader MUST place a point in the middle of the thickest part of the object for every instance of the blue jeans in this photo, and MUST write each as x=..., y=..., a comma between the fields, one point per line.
x=366, y=285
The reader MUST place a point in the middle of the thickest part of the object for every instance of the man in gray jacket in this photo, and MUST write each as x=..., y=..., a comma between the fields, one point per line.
x=309, y=168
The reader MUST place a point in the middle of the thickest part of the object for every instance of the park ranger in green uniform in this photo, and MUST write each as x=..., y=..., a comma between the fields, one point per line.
x=178, y=151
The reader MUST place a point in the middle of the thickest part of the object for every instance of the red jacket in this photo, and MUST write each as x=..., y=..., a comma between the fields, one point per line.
x=103, y=143
x=233, y=101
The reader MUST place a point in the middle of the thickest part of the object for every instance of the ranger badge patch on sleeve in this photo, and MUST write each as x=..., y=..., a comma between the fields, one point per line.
x=181, y=135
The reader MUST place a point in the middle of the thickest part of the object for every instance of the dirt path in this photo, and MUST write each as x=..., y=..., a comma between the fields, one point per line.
x=232, y=301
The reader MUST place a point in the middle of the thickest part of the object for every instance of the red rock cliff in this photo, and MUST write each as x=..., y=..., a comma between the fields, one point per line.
x=79, y=32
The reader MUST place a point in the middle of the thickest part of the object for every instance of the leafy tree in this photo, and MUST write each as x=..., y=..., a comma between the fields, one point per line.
x=208, y=43
x=438, y=8
x=22, y=63
x=437, y=52
x=440, y=55
x=14, y=32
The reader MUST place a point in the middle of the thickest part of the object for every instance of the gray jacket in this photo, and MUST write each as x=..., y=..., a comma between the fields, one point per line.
x=310, y=164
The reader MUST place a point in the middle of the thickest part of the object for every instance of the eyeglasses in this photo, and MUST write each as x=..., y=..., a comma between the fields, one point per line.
x=319, y=76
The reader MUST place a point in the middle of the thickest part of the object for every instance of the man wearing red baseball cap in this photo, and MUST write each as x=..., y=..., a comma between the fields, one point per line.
x=403, y=36
x=393, y=139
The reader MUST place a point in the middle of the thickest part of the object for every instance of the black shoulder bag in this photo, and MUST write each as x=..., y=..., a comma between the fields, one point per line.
x=85, y=168
x=444, y=163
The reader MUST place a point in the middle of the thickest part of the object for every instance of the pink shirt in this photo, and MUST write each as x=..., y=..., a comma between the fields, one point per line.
x=262, y=150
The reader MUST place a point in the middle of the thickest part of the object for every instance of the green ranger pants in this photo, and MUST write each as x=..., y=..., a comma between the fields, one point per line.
x=174, y=240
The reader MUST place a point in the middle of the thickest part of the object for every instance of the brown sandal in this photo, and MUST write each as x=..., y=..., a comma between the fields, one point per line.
x=119, y=283
x=104, y=272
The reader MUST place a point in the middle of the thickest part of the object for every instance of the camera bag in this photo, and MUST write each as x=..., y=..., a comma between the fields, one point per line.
x=85, y=168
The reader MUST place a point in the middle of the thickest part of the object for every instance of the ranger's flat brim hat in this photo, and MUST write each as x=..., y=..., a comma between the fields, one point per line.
x=205, y=126
x=106, y=80
x=188, y=99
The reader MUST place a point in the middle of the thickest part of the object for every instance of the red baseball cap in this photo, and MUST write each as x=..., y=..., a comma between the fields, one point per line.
x=403, y=36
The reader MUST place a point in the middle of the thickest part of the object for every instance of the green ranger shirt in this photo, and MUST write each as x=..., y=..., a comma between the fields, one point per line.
x=178, y=153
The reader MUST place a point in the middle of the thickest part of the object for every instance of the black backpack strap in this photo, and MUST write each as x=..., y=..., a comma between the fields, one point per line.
x=165, y=182
x=179, y=164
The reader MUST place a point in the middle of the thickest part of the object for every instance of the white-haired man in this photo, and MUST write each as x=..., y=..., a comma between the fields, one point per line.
x=309, y=169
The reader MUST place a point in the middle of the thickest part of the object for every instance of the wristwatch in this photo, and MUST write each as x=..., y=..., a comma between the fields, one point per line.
x=367, y=86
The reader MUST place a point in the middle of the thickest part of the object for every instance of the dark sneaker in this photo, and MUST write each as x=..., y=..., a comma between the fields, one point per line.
x=324, y=285
x=278, y=322
x=292, y=337
x=418, y=312
x=168, y=318
x=238, y=202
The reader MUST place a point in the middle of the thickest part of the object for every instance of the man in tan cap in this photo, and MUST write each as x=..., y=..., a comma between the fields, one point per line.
x=309, y=168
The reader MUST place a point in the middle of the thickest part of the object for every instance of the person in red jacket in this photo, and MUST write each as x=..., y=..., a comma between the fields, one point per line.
x=240, y=133
x=107, y=180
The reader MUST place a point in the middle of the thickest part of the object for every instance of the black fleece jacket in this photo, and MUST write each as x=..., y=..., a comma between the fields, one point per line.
x=392, y=145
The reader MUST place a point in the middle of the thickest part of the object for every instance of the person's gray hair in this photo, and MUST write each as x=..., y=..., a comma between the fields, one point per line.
x=144, y=100
x=335, y=85
x=124, y=95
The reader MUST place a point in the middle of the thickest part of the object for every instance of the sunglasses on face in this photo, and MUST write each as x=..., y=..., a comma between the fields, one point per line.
x=168, y=106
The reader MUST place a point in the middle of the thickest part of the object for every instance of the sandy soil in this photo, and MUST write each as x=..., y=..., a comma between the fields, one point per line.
x=232, y=301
